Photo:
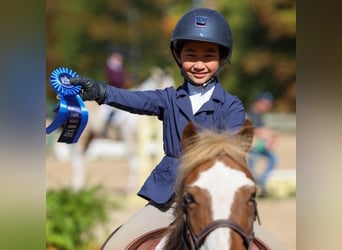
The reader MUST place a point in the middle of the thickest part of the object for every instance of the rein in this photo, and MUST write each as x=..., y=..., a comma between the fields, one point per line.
x=194, y=242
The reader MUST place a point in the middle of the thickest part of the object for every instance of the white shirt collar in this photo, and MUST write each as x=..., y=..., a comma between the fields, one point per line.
x=200, y=89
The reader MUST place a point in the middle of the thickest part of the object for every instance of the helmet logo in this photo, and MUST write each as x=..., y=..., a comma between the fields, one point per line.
x=201, y=20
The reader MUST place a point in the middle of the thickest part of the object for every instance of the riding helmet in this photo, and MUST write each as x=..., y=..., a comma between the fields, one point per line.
x=202, y=24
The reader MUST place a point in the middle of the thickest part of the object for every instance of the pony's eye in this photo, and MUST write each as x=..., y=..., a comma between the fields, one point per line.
x=252, y=198
x=188, y=199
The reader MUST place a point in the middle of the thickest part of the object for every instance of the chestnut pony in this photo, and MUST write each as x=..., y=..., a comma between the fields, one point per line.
x=215, y=195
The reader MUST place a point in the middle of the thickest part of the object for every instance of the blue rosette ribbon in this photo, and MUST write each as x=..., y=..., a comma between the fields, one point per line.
x=72, y=115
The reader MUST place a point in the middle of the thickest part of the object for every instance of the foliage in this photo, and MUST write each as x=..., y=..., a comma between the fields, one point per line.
x=81, y=33
x=264, y=56
x=72, y=215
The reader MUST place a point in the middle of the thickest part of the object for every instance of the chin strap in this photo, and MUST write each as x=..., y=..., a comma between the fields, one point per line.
x=187, y=79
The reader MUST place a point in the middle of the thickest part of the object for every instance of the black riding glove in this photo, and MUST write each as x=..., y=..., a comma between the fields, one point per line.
x=92, y=90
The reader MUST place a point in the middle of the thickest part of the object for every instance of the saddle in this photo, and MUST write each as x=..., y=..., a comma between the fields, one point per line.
x=150, y=240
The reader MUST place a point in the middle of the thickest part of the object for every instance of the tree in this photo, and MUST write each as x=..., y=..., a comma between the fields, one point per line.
x=80, y=35
x=264, y=56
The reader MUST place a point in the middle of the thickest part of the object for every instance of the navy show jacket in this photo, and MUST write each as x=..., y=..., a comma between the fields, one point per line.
x=172, y=106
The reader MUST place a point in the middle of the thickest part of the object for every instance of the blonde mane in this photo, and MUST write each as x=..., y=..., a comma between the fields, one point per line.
x=210, y=145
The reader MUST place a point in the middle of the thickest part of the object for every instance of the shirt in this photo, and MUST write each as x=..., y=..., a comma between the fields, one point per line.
x=199, y=95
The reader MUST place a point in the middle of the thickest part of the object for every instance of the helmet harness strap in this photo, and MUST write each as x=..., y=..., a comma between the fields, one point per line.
x=187, y=78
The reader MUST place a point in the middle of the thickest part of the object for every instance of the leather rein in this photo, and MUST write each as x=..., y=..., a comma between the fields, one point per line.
x=194, y=242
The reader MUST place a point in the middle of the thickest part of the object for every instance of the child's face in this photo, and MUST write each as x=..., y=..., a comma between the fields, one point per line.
x=200, y=60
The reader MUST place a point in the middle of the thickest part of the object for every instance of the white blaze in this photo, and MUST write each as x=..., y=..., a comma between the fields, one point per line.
x=222, y=183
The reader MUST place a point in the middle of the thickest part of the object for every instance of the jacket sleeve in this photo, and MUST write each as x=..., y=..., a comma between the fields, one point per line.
x=150, y=102
x=235, y=113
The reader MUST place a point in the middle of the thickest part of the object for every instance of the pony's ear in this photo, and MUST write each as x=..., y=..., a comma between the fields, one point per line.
x=189, y=135
x=245, y=135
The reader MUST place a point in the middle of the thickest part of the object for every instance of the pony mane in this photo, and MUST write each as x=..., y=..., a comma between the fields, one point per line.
x=209, y=145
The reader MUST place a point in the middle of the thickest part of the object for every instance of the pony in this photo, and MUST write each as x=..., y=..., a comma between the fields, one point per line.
x=215, y=195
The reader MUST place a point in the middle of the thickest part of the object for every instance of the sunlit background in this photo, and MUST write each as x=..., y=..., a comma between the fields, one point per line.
x=81, y=34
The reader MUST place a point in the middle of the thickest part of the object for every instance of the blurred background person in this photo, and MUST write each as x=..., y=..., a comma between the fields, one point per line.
x=116, y=76
x=264, y=140
x=115, y=71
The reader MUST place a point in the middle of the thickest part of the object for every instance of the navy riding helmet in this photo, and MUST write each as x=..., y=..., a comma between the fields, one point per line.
x=206, y=25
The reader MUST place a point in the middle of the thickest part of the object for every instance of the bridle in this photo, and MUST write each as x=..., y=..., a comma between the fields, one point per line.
x=194, y=242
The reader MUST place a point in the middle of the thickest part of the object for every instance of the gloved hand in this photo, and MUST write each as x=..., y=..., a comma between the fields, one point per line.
x=92, y=90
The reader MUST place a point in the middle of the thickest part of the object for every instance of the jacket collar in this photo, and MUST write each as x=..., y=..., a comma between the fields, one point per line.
x=184, y=103
x=217, y=95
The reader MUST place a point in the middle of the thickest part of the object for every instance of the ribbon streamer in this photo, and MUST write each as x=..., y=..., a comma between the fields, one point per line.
x=72, y=114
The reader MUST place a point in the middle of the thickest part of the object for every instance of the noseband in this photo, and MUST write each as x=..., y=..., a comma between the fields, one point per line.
x=194, y=242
